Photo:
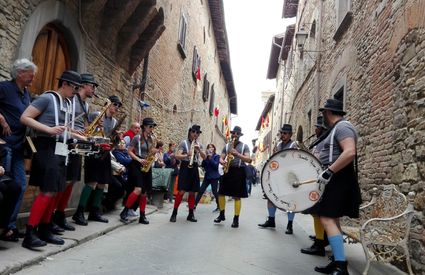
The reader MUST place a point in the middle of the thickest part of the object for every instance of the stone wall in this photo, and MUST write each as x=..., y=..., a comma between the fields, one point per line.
x=379, y=59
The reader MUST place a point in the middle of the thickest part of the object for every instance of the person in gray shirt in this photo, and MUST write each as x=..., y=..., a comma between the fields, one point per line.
x=341, y=196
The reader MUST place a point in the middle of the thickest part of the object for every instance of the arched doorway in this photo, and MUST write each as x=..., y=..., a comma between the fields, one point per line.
x=50, y=53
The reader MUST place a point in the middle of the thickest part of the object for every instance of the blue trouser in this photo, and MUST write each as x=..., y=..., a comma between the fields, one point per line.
x=214, y=189
x=14, y=164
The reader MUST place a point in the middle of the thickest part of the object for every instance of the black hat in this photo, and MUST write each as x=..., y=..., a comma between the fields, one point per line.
x=71, y=77
x=333, y=105
x=148, y=121
x=320, y=122
x=286, y=128
x=237, y=130
x=88, y=78
x=115, y=99
x=195, y=128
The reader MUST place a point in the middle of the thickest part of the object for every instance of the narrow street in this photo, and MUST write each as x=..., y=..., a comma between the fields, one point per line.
x=190, y=248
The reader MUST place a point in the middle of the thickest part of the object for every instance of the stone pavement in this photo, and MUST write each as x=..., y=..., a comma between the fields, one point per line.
x=13, y=257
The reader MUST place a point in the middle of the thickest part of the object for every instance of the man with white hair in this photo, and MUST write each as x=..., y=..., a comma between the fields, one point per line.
x=14, y=99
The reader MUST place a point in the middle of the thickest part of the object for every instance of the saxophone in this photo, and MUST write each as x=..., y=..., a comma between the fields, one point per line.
x=91, y=129
x=150, y=158
x=229, y=157
x=192, y=157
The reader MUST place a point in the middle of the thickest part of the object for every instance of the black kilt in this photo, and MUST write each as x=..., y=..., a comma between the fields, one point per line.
x=48, y=171
x=341, y=196
x=137, y=178
x=233, y=183
x=97, y=168
x=73, y=169
x=188, y=178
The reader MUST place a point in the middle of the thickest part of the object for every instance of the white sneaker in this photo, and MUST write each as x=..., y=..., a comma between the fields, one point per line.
x=132, y=213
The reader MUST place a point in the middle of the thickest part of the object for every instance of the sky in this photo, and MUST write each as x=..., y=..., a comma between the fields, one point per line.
x=250, y=25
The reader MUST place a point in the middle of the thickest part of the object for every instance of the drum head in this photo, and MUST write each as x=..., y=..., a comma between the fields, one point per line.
x=289, y=180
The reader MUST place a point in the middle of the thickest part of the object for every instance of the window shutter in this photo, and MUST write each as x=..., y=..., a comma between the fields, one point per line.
x=206, y=89
x=212, y=98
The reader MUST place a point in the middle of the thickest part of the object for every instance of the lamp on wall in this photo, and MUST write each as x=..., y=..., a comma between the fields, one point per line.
x=143, y=105
x=301, y=37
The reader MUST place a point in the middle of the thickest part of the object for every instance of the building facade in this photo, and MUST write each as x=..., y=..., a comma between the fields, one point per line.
x=170, y=55
x=368, y=54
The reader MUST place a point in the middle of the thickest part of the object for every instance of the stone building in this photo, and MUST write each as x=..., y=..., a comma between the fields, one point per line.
x=171, y=55
x=370, y=55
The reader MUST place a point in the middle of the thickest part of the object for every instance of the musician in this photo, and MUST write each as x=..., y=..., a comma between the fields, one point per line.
x=320, y=239
x=79, y=116
x=171, y=162
x=189, y=152
x=341, y=196
x=233, y=183
x=47, y=115
x=14, y=99
x=98, y=170
x=285, y=143
x=141, y=150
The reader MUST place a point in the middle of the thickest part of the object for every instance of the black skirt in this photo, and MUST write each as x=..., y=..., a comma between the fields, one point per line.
x=73, y=168
x=137, y=178
x=341, y=197
x=98, y=169
x=48, y=171
x=188, y=178
x=233, y=183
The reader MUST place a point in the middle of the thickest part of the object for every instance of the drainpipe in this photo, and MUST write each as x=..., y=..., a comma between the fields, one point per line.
x=319, y=59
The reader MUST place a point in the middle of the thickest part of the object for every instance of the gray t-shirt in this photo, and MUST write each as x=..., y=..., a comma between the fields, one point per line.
x=45, y=104
x=237, y=162
x=289, y=145
x=184, y=146
x=77, y=111
x=141, y=146
x=341, y=131
x=108, y=124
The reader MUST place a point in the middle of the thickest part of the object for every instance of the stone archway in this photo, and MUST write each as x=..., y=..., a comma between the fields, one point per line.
x=56, y=12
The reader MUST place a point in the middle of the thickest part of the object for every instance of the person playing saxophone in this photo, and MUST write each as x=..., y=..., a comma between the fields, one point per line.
x=141, y=150
x=188, y=153
x=233, y=182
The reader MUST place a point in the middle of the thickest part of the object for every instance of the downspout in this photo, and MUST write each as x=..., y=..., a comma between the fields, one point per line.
x=319, y=59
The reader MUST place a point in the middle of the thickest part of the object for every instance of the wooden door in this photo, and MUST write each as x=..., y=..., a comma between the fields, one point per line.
x=50, y=54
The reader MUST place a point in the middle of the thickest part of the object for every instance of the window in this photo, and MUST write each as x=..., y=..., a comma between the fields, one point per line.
x=343, y=17
x=340, y=95
x=206, y=89
x=313, y=30
x=309, y=122
x=181, y=45
x=212, y=97
x=174, y=109
x=196, y=63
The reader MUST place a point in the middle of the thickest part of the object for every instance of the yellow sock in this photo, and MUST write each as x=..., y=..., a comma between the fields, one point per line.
x=318, y=228
x=238, y=205
x=221, y=202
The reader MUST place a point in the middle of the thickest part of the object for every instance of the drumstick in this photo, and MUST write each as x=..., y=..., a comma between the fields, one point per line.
x=298, y=183
x=75, y=118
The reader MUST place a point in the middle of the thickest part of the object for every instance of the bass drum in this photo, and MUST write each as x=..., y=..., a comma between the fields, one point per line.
x=289, y=180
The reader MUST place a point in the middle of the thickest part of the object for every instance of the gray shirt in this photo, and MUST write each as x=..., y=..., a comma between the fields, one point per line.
x=77, y=111
x=341, y=131
x=141, y=146
x=289, y=145
x=237, y=162
x=45, y=104
x=184, y=146
x=108, y=124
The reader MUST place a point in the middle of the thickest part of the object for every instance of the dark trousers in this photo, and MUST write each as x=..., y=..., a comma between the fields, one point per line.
x=9, y=194
x=214, y=188
x=115, y=192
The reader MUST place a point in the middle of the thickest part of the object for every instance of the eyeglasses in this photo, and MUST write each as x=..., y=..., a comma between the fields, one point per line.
x=116, y=104
x=285, y=133
x=74, y=87
x=91, y=85
x=196, y=132
x=151, y=126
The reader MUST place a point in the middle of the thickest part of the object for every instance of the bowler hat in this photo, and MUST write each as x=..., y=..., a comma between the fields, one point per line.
x=148, y=121
x=71, y=77
x=115, y=99
x=333, y=105
x=195, y=128
x=320, y=122
x=237, y=130
x=286, y=128
x=88, y=78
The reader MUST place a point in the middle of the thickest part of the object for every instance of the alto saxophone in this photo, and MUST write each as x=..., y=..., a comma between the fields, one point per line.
x=151, y=157
x=91, y=129
x=192, y=157
x=229, y=156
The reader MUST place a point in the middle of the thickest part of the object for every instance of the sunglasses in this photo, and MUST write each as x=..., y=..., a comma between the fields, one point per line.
x=116, y=105
x=74, y=87
x=197, y=132
x=285, y=133
x=91, y=85
x=150, y=126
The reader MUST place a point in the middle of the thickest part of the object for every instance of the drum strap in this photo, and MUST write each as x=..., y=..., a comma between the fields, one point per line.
x=240, y=161
x=331, y=147
x=64, y=106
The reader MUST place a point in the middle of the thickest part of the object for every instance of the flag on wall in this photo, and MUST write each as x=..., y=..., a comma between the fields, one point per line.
x=267, y=120
x=225, y=122
x=227, y=133
x=216, y=111
x=262, y=123
x=198, y=73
